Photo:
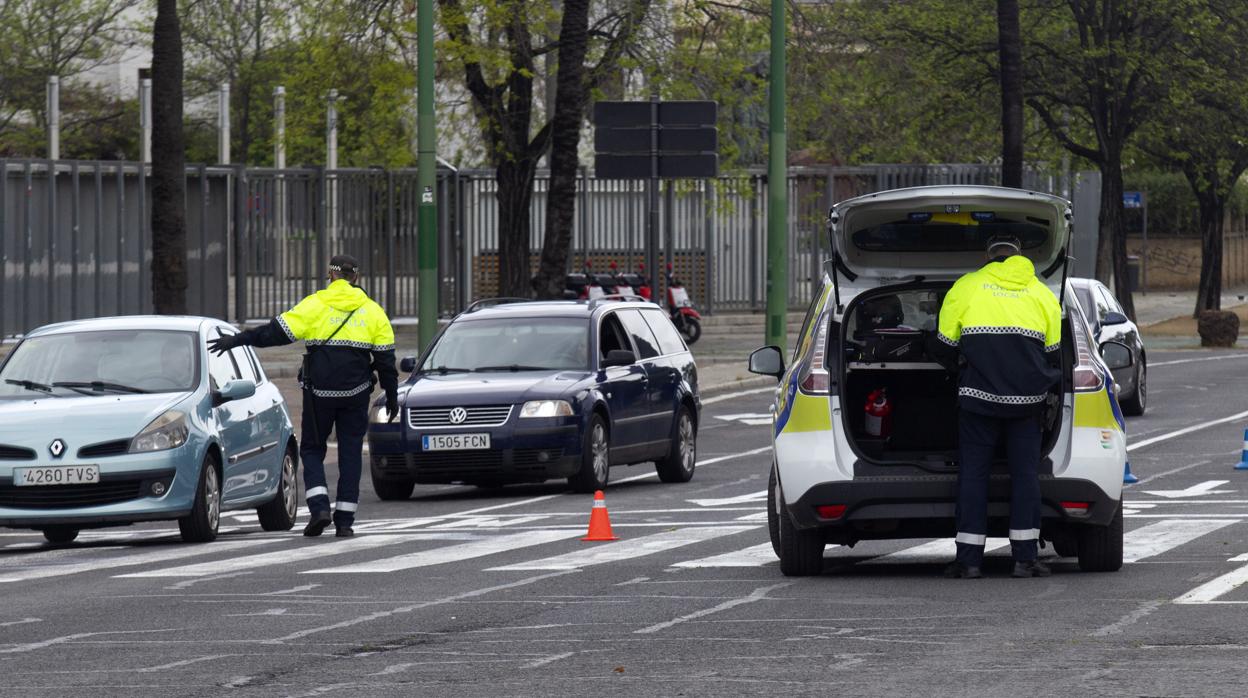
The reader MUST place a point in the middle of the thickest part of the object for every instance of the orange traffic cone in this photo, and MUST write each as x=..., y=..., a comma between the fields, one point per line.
x=599, y=521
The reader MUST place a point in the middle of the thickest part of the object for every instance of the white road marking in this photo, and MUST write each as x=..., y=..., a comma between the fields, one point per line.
x=734, y=396
x=23, y=621
x=626, y=549
x=753, y=556
x=1152, y=364
x=742, y=499
x=32, y=646
x=1186, y=430
x=1155, y=539
x=1212, y=589
x=701, y=464
x=191, y=582
x=938, y=550
x=453, y=553
x=1130, y=619
x=547, y=660
x=758, y=594
x=273, y=559
x=757, y=516
x=489, y=521
x=753, y=419
x=1200, y=490
x=162, y=555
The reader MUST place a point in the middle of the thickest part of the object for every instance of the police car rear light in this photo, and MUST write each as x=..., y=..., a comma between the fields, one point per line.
x=1075, y=508
x=1086, y=376
x=830, y=511
x=815, y=379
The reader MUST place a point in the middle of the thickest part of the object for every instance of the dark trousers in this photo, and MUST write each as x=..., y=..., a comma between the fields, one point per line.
x=348, y=419
x=978, y=436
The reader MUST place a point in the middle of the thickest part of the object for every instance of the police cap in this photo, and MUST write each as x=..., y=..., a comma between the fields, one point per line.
x=345, y=265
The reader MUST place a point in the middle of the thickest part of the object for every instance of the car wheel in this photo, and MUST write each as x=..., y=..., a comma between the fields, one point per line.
x=595, y=458
x=773, y=511
x=801, y=551
x=1134, y=405
x=1100, y=547
x=393, y=490
x=200, y=526
x=691, y=329
x=682, y=455
x=278, y=514
x=60, y=535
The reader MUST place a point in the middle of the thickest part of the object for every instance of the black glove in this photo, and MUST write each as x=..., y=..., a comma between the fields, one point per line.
x=220, y=345
x=392, y=406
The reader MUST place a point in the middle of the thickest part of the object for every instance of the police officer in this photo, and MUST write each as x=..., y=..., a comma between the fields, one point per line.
x=1005, y=324
x=348, y=337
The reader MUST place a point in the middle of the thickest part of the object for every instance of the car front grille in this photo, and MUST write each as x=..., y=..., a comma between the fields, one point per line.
x=16, y=453
x=447, y=466
x=108, y=448
x=482, y=416
x=64, y=496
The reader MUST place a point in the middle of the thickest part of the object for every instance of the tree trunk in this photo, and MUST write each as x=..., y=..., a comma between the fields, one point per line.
x=1209, y=292
x=515, y=197
x=1111, y=258
x=168, y=170
x=566, y=122
x=1009, y=46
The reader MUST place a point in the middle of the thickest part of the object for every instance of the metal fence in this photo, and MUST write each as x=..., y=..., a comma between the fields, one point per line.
x=75, y=237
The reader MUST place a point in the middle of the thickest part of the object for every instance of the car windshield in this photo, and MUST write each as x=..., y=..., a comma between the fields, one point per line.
x=102, y=363
x=519, y=344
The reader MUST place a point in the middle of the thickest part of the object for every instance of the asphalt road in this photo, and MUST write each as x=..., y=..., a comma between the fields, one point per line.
x=473, y=592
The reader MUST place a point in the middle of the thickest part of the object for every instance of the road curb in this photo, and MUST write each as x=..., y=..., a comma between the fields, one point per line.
x=729, y=386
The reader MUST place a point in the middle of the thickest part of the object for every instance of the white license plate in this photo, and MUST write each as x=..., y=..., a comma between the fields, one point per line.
x=455, y=442
x=57, y=475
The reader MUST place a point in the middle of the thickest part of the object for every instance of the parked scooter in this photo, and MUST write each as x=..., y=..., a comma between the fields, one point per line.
x=680, y=307
x=637, y=281
x=583, y=285
x=622, y=284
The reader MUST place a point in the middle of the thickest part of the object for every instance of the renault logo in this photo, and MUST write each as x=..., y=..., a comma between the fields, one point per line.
x=458, y=415
x=57, y=448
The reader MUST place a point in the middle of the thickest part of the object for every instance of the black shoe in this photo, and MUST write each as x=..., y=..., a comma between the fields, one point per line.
x=320, y=520
x=957, y=570
x=345, y=532
x=1031, y=568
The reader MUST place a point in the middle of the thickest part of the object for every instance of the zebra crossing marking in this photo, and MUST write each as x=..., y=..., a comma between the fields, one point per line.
x=306, y=552
x=626, y=549
x=452, y=553
x=161, y=555
x=1157, y=538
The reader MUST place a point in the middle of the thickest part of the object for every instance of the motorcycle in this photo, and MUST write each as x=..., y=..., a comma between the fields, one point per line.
x=584, y=285
x=685, y=317
x=622, y=284
x=637, y=281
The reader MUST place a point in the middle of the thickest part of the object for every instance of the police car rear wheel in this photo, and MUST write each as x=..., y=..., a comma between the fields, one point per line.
x=278, y=514
x=200, y=526
x=801, y=551
x=595, y=458
x=773, y=511
x=1100, y=547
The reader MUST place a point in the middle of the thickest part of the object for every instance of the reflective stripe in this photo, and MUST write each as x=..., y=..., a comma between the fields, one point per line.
x=946, y=340
x=983, y=329
x=317, y=492
x=971, y=538
x=1028, y=534
x=346, y=506
x=281, y=321
x=367, y=346
x=1053, y=347
x=343, y=393
x=1001, y=399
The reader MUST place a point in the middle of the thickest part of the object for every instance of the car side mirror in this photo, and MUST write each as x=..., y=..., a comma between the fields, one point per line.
x=1113, y=318
x=237, y=389
x=768, y=361
x=407, y=364
x=619, y=357
x=1116, y=355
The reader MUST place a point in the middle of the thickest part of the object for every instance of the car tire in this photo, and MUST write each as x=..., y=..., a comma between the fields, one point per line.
x=278, y=514
x=1100, y=547
x=393, y=490
x=682, y=455
x=200, y=526
x=595, y=458
x=801, y=551
x=1134, y=405
x=60, y=535
x=773, y=511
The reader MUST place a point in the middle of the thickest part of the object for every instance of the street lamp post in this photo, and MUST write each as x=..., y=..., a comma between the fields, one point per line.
x=777, y=190
x=426, y=176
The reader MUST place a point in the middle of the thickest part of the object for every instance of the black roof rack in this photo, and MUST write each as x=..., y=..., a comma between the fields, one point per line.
x=490, y=302
x=616, y=297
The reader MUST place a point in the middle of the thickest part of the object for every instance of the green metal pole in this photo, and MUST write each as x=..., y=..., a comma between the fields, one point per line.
x=777, y=191
x=427, y=175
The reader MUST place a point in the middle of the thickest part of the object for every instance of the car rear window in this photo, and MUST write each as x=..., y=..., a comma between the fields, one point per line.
x=669, y=339
x=935, y=231
x=646, y=343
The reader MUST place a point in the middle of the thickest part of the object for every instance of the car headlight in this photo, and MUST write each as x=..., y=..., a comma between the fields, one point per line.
x=380, y=415
x=167, y=431
x=546, y=408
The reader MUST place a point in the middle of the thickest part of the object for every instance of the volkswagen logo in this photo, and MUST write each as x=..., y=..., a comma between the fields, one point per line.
x=57, y=448
x=458, y=415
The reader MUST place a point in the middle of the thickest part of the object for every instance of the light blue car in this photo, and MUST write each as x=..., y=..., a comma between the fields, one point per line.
x=112, y=421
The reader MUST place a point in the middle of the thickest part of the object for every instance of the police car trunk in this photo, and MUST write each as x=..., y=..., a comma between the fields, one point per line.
x=894, y=258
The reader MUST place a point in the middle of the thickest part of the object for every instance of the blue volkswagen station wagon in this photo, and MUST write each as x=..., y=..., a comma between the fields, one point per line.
x=113, y=421
x=513, y=392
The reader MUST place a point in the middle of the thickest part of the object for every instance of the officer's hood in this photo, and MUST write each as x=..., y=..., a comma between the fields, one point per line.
x=941, y=232
x=1014, y=273
x=341, y=295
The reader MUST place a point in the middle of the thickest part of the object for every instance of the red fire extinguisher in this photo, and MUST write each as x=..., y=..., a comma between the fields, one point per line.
x=879, y=417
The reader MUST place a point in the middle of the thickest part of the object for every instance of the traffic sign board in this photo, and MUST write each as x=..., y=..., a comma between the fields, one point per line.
x=674, y=139
x=1132, y=199
x=690, y=165
x=677, y=113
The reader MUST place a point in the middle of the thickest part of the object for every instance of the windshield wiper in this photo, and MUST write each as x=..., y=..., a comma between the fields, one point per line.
x=443, y=370
x=513, y=367
x=98, y=386
x=30, y=385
